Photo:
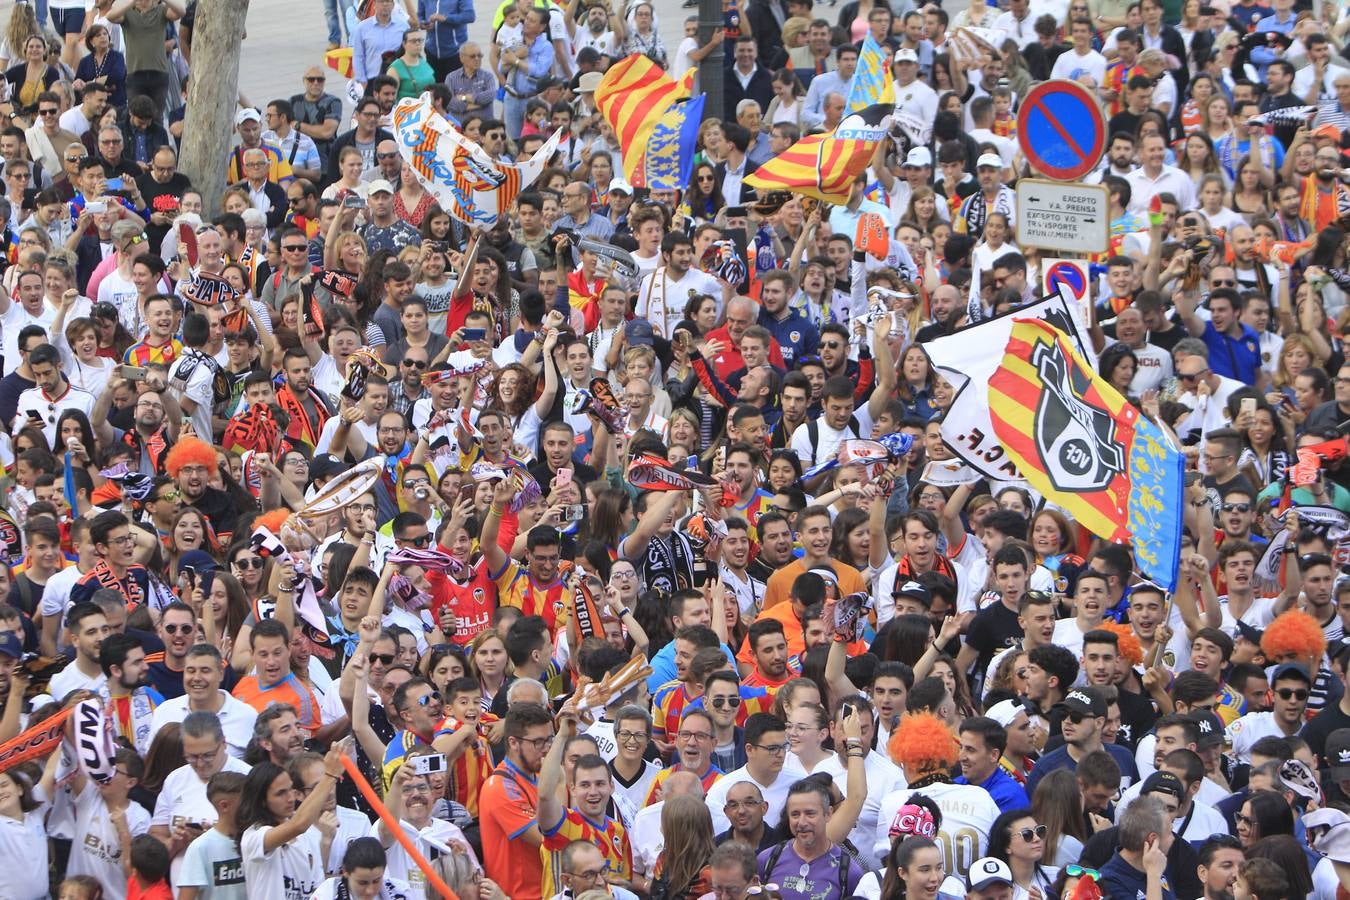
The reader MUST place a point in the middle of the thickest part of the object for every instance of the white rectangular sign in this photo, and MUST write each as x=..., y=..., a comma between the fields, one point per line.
x=1069, y=217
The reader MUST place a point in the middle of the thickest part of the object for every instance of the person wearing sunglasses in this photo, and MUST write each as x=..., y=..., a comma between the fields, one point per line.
x=1085, y=712
x=418, y=706
x=1018, y=840
x=1193, y=369
x=295, y=266
x=1290, y=687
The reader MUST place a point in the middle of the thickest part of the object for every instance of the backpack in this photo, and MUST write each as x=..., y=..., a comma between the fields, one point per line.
x=845, y=856
x=813, y=433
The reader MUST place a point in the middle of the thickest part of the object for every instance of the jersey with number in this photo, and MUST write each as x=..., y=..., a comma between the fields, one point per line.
x=968, y=813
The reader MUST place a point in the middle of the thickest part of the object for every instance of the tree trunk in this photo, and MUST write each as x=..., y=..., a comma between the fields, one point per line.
x=213, y=97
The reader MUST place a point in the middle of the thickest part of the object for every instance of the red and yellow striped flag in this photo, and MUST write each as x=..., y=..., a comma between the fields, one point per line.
x=632, y=97
x=340, y=61
x=824, y=166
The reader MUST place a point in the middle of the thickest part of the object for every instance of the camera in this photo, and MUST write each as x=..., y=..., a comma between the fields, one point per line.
x=431, y=764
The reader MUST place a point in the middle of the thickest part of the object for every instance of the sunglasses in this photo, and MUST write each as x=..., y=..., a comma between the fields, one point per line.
x=1237, y=507
x=1030, y=834
x=1292, y=693
x=726, y=702
x=415, y=363
x=417, y=541
x=256, y=562
x=428, y=699
x=295, y=248
x=383, y=658
x=1076, y=871
x=179, y=629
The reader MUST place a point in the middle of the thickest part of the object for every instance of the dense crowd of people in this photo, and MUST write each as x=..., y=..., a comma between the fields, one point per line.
x=542, y=561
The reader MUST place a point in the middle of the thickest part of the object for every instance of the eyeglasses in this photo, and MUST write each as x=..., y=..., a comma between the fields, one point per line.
x=203, y=757
x=774, y=749
x=415, y=363
x=386, y=659
x=47, y=112
x=591, y=874
x=540, y=744
x=1292, y=693
x=1237, y=507
x=121, y=541
x=1240, y=819
x=629, y=737
x=167, y=496
x=694, y=736
x=1030, y=834
x=254, y=562
x=1076, y=871
x=180, y=629
x=730, y=702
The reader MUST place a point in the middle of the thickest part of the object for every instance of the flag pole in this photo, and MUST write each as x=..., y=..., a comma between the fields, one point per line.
x=710, y=69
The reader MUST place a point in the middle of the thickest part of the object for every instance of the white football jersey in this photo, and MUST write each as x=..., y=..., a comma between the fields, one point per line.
x=968, y=812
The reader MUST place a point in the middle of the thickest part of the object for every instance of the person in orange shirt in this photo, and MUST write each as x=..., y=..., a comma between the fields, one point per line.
x=768, y=644
x=273, y=681
x=807, y=591
x=509, y=804
x=815, y=530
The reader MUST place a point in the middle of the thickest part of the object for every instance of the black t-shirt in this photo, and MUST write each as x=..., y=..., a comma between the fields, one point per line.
x=161, y=198
x=1321, y=725
x=1125, y=121
x=581, y=474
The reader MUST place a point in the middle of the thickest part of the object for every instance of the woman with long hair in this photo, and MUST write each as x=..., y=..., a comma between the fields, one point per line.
x=922, y=209
x=795, y=693
x=914, y=387
x=1219, y=118
x=1285, y=851
x=785, y=470
x=914, y=870
x=996, y=242
x=1198, y=159
x=788, y=103
x=350, y=165
x=683, y=428
x=852, y=542
x=190, y=531
x=488, y=663
x=908, y=638
x=248, y=568
x=23, y=24
x=1266, y=438
x=1052, y=537
x=808, y=733
x=958, y=688
x=1250, y=196
x=512, y=392
x=443, y=664
x=1210, y=195
x=701, y=312
x=1263, y=814
x=682, y=869
x=704, y=196
x=611, y=519
x=412, y=201
x=1193, y=116
x=280, y=849
x=222, y=617
x=31, y=76
x=1298, y=353
x=74, y=433
x=1018, y=840
x=23, y=836
x=1058, y=805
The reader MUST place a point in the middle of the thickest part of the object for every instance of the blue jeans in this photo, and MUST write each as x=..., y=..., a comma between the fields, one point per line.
x=513, y=115
x=335, y=11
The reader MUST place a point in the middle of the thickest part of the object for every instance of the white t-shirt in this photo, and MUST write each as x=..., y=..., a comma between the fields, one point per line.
x=23, y=856
x=1247, y=730
x=775, y=794
x=391, y=890
x=401, y=866
x=96, y=849
x=1071, y=65
x=968, y=812
x=122, y=294
x=212, y=862
x=236, y=718
x=183, y=799
x=292, y=870
x=72, y=679
x=662, y=300
x=196, y=387
x=827, y=443
x=16, y=320
x=49, y=409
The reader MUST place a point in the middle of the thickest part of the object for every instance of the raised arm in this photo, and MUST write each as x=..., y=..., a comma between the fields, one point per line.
x=309, y=810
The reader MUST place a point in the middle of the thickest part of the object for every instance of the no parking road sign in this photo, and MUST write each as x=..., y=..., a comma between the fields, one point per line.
x=1061, y=130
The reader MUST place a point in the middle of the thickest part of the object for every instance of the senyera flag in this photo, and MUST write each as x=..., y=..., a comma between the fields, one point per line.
x=1086, y=449
x=824, y=166
x=633, y=96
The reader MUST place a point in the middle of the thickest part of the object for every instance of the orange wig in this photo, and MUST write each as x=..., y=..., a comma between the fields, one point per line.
x=191, y=451
x=272, y=520
x=1126, y=640
x=1293, y=634
x=922, y=744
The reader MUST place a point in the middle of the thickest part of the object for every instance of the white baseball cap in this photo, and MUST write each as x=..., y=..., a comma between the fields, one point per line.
x=247, y=114
x=990, y=160
x=918, y=157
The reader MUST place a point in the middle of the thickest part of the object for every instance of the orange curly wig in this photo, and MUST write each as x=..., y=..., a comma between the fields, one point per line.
x=1293, y=633
x=1127, y=640
x=922, y=744
x=272, y=520
x=190, y=451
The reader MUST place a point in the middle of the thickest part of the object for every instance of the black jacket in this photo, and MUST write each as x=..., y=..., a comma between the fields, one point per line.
x=347, y=139
x=768, y=31
x=276, y=196
x=760, y=89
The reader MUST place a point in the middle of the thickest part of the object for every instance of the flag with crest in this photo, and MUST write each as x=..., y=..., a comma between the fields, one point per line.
x=1086, y=449
x=872, y=81
x=669, y=162
x=824, y=166
x=633, y=96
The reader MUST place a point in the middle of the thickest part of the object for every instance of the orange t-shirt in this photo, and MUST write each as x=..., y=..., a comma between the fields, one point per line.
x=508, y=805
x=779, y=588
x=792, y=632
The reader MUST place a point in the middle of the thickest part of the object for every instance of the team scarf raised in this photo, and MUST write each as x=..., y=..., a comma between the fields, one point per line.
x=652, y=473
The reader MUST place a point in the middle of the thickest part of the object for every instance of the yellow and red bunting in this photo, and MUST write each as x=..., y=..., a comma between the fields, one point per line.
x=340, y=61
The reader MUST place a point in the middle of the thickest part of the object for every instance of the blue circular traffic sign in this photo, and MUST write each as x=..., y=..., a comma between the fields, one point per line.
x=1069, y=275
x=1061, y=130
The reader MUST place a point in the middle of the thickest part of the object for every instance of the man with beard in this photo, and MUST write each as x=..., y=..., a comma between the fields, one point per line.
x=588, y=792
x=129, y=701
x=372, y=405
x=51, y=396
x=811, y=859
x=795, y=334
x=164, y=669
x=775, y=547
x=307, y=408
x=664, y=292
x=407, y=389
x=87, y=627
x=192, y=463
x=277, y=737
x=508, y=804
x=203, y=674
x=733, y=569
x=1326, y=193
x=1085, y=716
x=1218, y=860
